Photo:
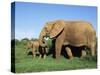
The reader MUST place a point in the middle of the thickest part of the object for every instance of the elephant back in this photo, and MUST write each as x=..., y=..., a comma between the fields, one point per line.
x=79, y=33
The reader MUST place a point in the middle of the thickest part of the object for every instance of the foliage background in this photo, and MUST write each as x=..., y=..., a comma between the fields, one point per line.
x=24, y=62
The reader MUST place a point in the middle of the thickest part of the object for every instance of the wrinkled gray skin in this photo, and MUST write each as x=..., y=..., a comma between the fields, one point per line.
x=75, y=33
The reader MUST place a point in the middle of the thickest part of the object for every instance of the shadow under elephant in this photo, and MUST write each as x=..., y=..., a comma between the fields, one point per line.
x=76, y=51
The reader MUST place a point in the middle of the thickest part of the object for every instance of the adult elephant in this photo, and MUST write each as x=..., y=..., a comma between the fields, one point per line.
x=74, y=33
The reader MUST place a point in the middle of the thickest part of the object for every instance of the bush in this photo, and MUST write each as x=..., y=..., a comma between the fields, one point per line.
x=17, y=41
x=34, y=39
x=24, y=41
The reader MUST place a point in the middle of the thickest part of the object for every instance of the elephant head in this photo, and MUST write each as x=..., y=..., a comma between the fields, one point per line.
x=52, y=29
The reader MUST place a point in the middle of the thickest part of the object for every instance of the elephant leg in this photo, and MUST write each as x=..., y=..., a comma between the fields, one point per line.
x=58, y=46
x=44, y=57
x=41, y=52
x=44, y=53
x=92, y=48
x=40, y=56
x=34, y=55
x=46, y=50
x=58, y=51
x=27, y=50
x=33, y=52
x=83, y=53
x=68, y=50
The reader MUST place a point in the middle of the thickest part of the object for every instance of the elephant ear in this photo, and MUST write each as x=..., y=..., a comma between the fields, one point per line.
x=58, y=26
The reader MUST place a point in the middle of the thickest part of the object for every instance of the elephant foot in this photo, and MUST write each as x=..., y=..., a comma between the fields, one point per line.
x=57, y=60
x=92, y=53
x=70, y=58
x=57, y=57
x=44, y=57
x=40, y=56
x=34, y=56
x=69, y=52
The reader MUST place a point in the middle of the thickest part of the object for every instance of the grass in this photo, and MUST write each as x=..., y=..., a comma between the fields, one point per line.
x=25, y=63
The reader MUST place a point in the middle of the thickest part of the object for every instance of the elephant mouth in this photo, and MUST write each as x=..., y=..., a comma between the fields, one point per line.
x=46, y=38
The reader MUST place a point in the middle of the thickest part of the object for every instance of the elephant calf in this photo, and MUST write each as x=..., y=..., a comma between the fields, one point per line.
x=36, y=48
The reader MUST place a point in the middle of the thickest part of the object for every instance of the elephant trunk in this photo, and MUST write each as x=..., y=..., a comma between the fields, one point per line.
x=42, y=34
x=40, y=41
